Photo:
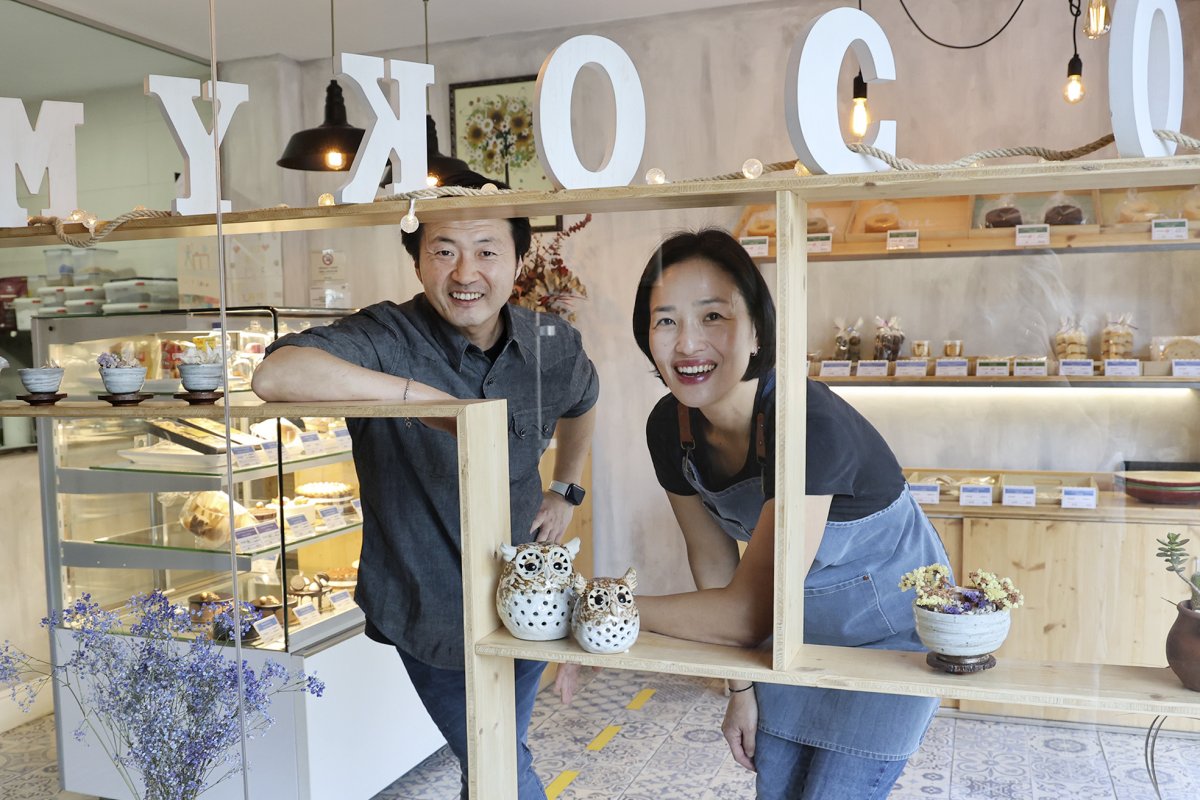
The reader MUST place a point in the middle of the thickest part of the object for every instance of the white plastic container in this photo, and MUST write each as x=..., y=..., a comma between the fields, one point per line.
x=25, y=308
x=48, y=311
x=53, y=295
x=133, y=308
x=60, y=265
x=78, y=292
x=84, y=306
x=142, y=290
x=94, y=266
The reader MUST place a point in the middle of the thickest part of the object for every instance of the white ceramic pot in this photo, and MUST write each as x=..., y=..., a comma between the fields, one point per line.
x=201, y=377
x=41, y=380
x=961, y=634
x=123, y=380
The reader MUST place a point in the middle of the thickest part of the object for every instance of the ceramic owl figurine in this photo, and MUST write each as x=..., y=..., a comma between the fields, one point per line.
x=605, y=618
x=535, y=591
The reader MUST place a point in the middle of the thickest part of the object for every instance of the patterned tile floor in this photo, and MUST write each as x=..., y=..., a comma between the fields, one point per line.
x=669, y=747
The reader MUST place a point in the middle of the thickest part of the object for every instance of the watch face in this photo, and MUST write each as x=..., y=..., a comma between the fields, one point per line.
x=574, y=494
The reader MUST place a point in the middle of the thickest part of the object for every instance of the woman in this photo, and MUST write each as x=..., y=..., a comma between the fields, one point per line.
x=704, y=317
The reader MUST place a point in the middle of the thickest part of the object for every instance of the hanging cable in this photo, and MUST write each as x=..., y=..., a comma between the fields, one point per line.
x=921, y=31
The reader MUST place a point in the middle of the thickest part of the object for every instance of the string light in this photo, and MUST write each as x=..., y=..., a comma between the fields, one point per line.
x=409, y=222
x=335, y=159
x=1099, y=19
x=860, y=115
x=489, y=188
x=801, y=170
x=752, y=168
x=325, y=199
x=655, y=176
x=1074, y=90
x=431, y=180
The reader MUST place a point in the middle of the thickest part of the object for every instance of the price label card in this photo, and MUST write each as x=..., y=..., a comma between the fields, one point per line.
x=306, y=613
x=969, y=495
x=756, y=245
x=265, y=565
x=927, y=494
x=1168, y=230
x=299, y=527
x=1076, y=367
x=341, y=438
x=1079, y=497
x=246, y=538
x=341, y=600
x=1029, y=369
x=903, y=240
x=270, y=451
x=820, y=242
x=992, y=369
x=247, y=455
x=1122, y=368
x=332, y=517
x=357, y=507
x=268, y=629
x=835, y=369
x=950, y=367
x=1019, y=496
x=1033, y=235
x=1185, y=368
x=268, y=534
x=872, y=369
x=912, y=368
x=311, y=442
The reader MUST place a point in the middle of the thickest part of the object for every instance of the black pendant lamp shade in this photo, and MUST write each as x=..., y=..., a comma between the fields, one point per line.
x=330, y=147
x=449, y=171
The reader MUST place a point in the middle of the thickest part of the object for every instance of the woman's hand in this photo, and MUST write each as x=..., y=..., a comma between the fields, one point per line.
x=739, y=726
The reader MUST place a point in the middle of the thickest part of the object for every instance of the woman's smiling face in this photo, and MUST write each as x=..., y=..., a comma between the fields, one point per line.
x=701, y=333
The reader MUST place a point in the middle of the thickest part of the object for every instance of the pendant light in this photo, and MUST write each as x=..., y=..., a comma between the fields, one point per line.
x=331, y=145
x=1099, y=18
x=860, y=115
x=1074, y=90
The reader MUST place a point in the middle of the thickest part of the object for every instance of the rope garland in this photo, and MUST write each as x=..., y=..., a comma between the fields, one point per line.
x=896, y=163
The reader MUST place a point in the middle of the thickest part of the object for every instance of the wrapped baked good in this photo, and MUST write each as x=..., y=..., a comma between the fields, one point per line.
x=1135, y=208
x=888, y=338
x=206, y=515
x=818, y=222
x=1070, y=341
x=1061, y=210
x=1116, y=340
x=881, y=218
x=843, y=339
x=1189, y=204
x=1002, y=213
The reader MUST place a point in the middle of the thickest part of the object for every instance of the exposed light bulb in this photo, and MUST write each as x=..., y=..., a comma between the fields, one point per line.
x=860, y=115
x=801, y=170
x=1074, y=89
x=335, y=159
x=489, y=188
x=431, y=180
x=752, y=168
x=77, y=215
x=1099, y=19
x=409, y=222
x=655, y=176
x=325, y=200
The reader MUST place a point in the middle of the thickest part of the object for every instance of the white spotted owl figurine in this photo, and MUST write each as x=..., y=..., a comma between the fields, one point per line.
x=534, y=595
x=605, y=618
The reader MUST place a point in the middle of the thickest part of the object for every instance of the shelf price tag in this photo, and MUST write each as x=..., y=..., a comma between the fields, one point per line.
x=341, y=438
x=970, y=495
x=1076, y=367
x=268, y=629
x=950, y=367
x=912, y=368
x=332, y=517
x=270, y=451
x=1168, y=230
x=300, y=527
x=835, y=369
x=756, y=245
x=820, y=242
x=927, y=494
x=268, y=534
x=1030, y=369
x=357, y=507
x=1122, y=368
x=1033, y=235
x=1185, y=368
x=247, y=455
x=1079, y=497
x=903, y=240
x=246, y=538
x=341, y=600
x=265, y=565
x=305, y=613
x=311, y=442
x=1019, y=496
x=872, y=369
x=992, y=368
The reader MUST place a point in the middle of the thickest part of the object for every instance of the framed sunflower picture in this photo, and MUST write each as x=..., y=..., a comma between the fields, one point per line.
x=493, y=133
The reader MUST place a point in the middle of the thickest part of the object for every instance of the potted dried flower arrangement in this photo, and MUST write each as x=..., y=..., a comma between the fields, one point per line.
x=961, y=625
x=201, y=368
x=547, y=283
x=121, y=375
x=159, y=699
x=1183, y=640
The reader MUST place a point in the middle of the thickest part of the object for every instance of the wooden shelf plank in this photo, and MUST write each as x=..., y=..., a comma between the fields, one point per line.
x=178, y=409
x=1111, y=173
x=1040, y=683
x=1049, y=382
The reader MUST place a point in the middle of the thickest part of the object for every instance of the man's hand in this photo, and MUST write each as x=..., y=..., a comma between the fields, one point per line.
x=552, y=518
x=566, y=682
x=739, y=726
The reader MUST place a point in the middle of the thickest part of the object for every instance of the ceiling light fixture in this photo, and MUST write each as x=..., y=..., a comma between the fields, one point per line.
x=330, y=146
x=1074, y=90
x=1099, y=18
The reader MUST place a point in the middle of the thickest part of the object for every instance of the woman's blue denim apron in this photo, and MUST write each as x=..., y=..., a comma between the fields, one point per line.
x=851, y=599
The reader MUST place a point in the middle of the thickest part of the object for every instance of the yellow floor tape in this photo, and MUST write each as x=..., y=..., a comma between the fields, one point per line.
x=561, y=782
x=604, y=738
x=640, y=699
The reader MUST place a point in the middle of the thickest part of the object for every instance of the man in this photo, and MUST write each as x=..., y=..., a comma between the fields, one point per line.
x=458, y=339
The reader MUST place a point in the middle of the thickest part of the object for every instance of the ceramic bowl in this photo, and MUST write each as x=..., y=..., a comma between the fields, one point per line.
x=1161, y=486
x=41, y=380
x=123, y=380
x=201, y=377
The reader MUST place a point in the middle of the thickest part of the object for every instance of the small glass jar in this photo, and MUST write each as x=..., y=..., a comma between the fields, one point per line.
x=920, y=348
x=952, y=348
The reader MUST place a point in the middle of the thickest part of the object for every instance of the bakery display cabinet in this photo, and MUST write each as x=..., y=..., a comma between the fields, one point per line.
x=162, y=496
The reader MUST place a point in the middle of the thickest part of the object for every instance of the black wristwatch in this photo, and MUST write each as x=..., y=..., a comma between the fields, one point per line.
x=572, y=492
